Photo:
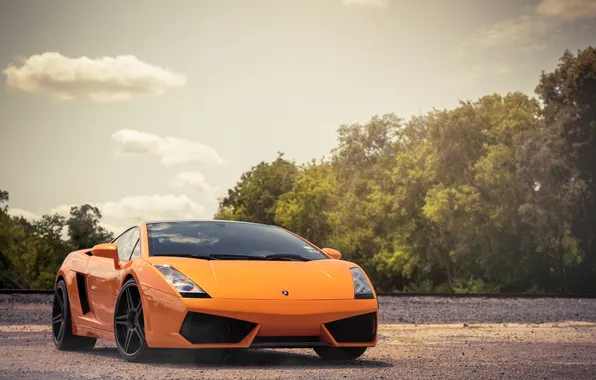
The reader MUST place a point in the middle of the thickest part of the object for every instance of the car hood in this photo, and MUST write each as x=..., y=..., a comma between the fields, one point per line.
x=244, y=279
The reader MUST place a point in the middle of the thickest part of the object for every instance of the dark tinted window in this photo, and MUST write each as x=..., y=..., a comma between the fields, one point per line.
x=225, y=238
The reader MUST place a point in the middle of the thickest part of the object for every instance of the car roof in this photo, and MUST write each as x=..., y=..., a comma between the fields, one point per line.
x=199, y=220
x=147, y=222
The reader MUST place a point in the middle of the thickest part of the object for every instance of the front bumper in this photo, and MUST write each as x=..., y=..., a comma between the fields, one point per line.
x=175, y=322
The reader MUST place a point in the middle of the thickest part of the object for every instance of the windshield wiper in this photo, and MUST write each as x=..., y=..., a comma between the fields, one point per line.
x=281, y=256
x=273, y=256
x=204, y=257
x=223, y=256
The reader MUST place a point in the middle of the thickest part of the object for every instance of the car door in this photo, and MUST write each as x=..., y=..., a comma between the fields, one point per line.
x=104, y=279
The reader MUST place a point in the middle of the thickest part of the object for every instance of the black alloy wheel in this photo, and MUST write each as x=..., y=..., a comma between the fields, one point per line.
x=62, y=335
x=129, y=323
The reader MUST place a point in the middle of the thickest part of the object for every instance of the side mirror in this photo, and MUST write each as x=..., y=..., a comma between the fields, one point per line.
x=109, y=251
x=333, y=253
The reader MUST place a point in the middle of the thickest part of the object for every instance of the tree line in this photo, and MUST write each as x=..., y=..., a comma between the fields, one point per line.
x=31, y=251
x=495, y=195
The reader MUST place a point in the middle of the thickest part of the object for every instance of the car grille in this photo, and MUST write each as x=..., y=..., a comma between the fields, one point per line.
x=358, y=329
x=203, y=328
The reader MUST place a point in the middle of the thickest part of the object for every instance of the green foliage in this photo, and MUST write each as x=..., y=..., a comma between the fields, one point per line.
x=492, y=195
x=302, y=208
x=31, y=251
x=569, y=97
x=255, y=196
x=84, y=230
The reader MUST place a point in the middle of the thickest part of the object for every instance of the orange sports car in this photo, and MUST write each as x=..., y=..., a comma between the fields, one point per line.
x=213, y=285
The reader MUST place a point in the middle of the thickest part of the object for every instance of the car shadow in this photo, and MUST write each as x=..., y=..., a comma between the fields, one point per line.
x=241, y=358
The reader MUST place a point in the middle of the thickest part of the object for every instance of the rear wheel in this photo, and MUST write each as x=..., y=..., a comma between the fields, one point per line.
x=62, y=334
x=340, y=353
x=129, y=323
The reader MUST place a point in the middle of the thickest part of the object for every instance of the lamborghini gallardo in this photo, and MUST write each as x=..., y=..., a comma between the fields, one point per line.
x=213, y=285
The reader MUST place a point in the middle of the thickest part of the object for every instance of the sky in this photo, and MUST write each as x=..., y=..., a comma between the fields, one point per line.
x=152, y=110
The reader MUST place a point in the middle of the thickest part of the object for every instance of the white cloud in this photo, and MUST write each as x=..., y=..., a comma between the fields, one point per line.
x=568, y=9
x=105, y=79
x=145, y=207
x=532, y=31
x=368, y=3
x=193, y=180
x=173, y=151
x=152, y=207
x=111, y=228
x=63, y=210
x=17, y=212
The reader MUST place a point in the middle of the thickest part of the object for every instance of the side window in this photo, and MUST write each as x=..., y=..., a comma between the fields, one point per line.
x=136, y=253
x=126, y=243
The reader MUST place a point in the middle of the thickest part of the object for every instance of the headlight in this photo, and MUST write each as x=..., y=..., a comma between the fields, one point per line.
x=362, y=288
x=184, y=285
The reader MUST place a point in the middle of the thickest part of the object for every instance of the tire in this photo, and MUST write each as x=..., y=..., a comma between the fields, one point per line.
x=129, y=323
x=62, y=335
x=340, y=353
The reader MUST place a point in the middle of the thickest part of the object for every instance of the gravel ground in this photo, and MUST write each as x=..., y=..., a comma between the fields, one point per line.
x=414, y=310
x=420, y=338
x=422, y=310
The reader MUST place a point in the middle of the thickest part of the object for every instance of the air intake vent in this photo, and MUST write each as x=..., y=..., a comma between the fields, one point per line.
x=359, y=329
x=82, y=289
x=202, y=328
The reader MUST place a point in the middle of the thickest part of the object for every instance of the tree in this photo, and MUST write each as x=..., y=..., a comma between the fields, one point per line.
x=30, y=251
x=360, y=163
x=548, y=210
x=450, y=203
x=51, y=249
x=84, y=229
x=8, y=238
x=305, y=208
x=569, y=97
x=255, y=196
x=364, y=150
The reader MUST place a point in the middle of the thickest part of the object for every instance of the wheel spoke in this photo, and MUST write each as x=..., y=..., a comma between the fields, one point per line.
x=129, y=300
x=121, y=320
x=57, y=318
x=60, y=302
x=61, y=331
x=139, y=332
x=128, y=338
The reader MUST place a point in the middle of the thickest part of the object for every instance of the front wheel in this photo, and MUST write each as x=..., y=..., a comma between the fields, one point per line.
x=129, y=323
x=340, y=353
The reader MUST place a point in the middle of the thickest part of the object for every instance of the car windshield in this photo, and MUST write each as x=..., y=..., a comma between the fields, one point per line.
x=219, y=240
